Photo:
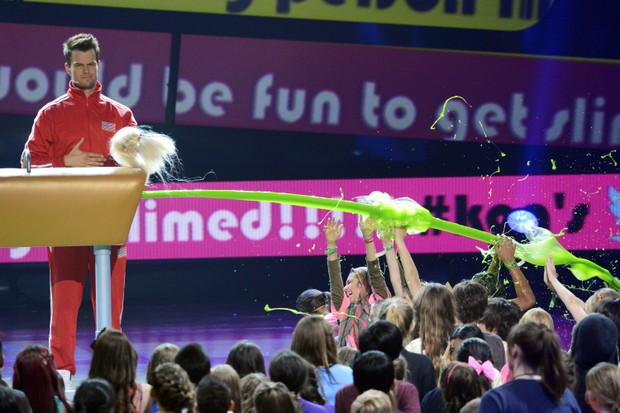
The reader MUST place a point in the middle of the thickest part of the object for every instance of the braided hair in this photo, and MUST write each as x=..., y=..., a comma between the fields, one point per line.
x=172, y=388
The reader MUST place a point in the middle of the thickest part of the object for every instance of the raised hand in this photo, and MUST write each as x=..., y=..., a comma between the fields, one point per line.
x=367, y=225
x=386, y=236
x=505, y=250
x=550, y=273
x=333, y=231
x=400, y=233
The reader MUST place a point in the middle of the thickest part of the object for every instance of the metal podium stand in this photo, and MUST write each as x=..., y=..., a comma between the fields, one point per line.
x=72, y=207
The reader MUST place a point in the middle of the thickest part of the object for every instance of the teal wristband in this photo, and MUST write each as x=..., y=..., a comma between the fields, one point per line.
x=331, y=250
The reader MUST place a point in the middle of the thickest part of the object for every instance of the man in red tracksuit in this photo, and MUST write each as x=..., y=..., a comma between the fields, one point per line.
x=74, y=131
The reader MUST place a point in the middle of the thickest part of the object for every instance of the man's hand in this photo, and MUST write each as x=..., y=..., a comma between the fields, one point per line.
x=78, y=157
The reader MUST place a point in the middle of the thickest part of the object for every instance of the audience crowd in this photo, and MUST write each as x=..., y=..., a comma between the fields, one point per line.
x=363, y=347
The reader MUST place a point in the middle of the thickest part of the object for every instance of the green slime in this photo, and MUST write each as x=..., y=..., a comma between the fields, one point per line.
x=389, y=214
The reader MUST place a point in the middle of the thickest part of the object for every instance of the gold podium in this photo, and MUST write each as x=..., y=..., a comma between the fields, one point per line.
x=71, y=207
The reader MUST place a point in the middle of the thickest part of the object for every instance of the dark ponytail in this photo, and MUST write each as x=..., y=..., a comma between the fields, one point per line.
x=541, y=351
x=309, y=301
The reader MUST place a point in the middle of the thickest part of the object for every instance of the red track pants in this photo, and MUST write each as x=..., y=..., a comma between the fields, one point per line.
x=69, y=267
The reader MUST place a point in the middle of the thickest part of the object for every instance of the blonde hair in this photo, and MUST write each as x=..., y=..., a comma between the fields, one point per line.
x=372, y=401
x=603, y=383
x=229, y=376
x=471, y=406
x=346, y=355
x=397, y=311
x=401, y=368
x=163, y=353
x=154, y=153
x=599, y=295
x=538, y=315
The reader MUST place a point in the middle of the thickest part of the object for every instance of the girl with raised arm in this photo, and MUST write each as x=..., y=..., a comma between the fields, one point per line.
x=364, y=286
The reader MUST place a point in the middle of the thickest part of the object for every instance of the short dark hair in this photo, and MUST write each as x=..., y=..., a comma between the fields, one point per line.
x=94, y=395
x=194, y=359
x=382, y=336
x=373, y=370
x=312, y=299
x=476, y=348
x=212, y=395
x=245, y=357
x=82, y=42
x=471, y=300
x=501, y=315
x=270, y=397
x=289, y=368
x=465, y=331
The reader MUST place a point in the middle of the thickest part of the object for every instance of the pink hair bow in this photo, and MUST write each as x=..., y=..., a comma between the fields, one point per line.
x=485, y=368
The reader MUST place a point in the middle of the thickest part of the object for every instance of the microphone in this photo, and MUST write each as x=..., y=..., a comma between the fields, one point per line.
x=27, y=160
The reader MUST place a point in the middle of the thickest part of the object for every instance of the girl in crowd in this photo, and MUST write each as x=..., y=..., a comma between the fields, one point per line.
x=538, y=315
x=163, y=353
x=270, y=397
x=399, y=311
x=314, y=341
x=249, y=383
x=364, y=286
x=34, y=373
x=246, y=357
x=291, y=369
x=478, y=349
x=173, y=389
x=229, y=376
x=313, y=301
x=603, y=388
x=458, y=384
x=435, y=317
x=539, y=376
x=115, y=360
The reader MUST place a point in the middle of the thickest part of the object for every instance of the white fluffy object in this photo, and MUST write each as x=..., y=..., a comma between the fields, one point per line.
x=136, y=147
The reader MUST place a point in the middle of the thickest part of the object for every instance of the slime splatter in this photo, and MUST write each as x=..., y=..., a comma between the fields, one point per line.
x=609, y=155
x=443, y=110
x=405, y=212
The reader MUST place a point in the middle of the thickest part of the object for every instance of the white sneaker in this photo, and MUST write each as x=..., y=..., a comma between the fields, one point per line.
x=66, y=378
